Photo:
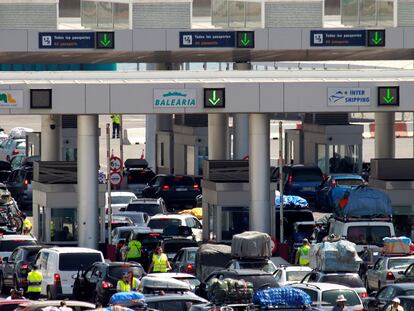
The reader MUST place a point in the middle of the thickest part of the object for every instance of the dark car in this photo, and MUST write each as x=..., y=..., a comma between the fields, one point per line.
x=339, y=182
x=260, y=279
x=138, y=218
x=98, y=282
x=149, y=206
x=14, y=269
x=177, y=191
x=172, y=245
x=407, y=276
x=303, y=181
x=388, y=293
x=137, y=175
x=19, y=183
x=290, y=217
x=184, y=260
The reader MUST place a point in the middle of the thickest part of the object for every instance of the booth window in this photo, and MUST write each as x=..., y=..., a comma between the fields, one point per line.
x=234, y=220
x=63, y=224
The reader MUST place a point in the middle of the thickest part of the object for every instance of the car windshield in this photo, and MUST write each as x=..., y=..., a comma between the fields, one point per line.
x=330, y=296
x=353, y=281
x=73, y=262
x=150, y=209
x=191, y=256
x=349, y=182
x=313, y=295
x=400, y=263
x=259, y=265
x=163, y=223
x=368, y=235
x=259, y=280
x=178, y=181
x=137, y=218
x=123, y=234
x=121, y=199
x=175, y=246
x=307, y=175
x=118, y=272
x=31, y=256
x=10, y=245
x=295, y=276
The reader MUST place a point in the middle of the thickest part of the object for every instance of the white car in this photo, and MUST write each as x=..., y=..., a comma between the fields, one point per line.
x=190, y=279
x=287, y=275
x=160, y=222
x=59, y=264
x=120, y=200
x=324, y=295
x=11, y=147
x=8, y=243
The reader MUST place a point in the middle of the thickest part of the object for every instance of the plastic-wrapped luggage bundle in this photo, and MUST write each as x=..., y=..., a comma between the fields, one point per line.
x=19, y=132
x=397, y=245
x=211, y=257
x=135, y=299
x=229, y=291
x=286, y=296
x=334, y=256
x=251, y=244
x=291, y=201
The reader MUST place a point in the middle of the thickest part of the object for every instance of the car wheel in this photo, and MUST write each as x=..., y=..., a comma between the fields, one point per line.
x=49, y=294
x=3, y=288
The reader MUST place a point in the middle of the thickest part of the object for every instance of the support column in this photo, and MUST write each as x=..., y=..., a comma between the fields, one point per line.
x=259, y=172
x=150, y=142
x=88, y=153
x=217, y=132
x=385, y=135
x=50, y=139
x=241, y=124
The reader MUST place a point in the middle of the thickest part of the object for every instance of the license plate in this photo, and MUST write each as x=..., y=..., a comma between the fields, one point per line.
x=308, y=188
x=181, y=189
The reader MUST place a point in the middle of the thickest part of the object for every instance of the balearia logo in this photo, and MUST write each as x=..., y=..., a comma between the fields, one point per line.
x=7, y=98
x=175, y=98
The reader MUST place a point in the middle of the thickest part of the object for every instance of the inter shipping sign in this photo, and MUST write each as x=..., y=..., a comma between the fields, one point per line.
x=349, y=96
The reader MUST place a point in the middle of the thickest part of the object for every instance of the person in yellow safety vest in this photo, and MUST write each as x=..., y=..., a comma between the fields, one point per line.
x=133, y=281
x=159, y=262
x=116, y=121
x=27, y=225
x=133, y=251
x=302, y=255
x=34, y=281
x=123, y=285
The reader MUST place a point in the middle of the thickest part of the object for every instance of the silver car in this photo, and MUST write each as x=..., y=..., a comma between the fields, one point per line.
x=386, y=270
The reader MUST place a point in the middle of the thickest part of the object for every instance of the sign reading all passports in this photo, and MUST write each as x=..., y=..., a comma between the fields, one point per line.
x=217, y=39
x=328, y=38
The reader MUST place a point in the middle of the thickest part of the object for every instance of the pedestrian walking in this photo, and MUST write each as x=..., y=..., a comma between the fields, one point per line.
x=159, y=263
x=116, y=121
x=340, y=304
x=302, y=255
x=395, y=305
x=34, y=281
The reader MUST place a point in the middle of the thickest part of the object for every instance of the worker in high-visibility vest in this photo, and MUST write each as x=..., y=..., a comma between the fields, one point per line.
x=159, y=262
x=133, y=281
x=116, y=121
x=123, y=285
x=302, y=255
x=34, y=281
x=132, y=250
x=27, y=225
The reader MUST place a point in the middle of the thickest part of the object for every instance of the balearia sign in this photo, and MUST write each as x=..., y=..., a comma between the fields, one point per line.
x=11, y=99
x=180, y=98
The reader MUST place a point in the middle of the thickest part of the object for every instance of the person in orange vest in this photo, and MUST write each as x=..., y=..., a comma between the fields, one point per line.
x=344, y=200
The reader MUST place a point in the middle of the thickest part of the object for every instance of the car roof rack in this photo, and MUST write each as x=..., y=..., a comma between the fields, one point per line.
x=363, y=218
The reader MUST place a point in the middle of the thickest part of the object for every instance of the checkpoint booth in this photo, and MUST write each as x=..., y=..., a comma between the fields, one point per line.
x=334, y=148
x=226, y=199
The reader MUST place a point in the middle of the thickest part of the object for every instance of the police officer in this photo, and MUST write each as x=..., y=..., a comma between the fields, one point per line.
x=116, y=121
x=27, y=225
x=34, y=281
x=302, y=255
x=159, y=262
x=123, y=285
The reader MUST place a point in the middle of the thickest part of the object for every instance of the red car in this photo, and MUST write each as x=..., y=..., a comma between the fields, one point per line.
x=10, y=305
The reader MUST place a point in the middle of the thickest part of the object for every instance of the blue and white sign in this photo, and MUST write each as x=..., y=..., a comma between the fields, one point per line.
x=207, y=39
x=338, y=38
x=350, y=96
x=176, y=98
x=66, y=40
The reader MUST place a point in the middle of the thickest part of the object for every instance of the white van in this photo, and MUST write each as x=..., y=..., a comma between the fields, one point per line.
x=363, y=232
x=59, y=264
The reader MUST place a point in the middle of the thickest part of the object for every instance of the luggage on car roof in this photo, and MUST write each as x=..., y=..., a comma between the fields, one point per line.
x=251, y=244
x=211, y=257
x=229, y=291
x=283, y=296
x=150, y=284
x=128, y=299
x=136, y=163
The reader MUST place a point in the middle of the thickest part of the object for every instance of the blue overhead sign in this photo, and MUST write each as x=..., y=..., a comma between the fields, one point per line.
x=207, y=39
x=66, y=40
x=338, y=38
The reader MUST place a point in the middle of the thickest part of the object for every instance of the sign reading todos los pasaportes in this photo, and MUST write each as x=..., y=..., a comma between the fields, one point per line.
x=177, y=98
x=349, y=96
x=11, y=99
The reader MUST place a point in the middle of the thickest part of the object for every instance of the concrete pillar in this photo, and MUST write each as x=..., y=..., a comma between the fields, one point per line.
x=150, y=142
x=385, y=135
x=88, y=161
x=217, y=136
x=50, y=139
x=259, y=172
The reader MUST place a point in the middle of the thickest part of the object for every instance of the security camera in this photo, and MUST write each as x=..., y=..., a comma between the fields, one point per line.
x=52, y=126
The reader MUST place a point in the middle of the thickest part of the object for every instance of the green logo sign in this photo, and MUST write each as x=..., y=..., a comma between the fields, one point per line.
x=105, y=40
x=185, y=98
x=214, y=98
x=245, y=39
x=388, y=96
x=376, y=38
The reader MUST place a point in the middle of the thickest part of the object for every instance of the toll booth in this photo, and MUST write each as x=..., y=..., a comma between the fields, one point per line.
x=55, y=210
x=226, y=199
x=334, y=148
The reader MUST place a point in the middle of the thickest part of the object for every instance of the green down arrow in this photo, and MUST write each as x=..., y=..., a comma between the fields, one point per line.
x=215, y=100
x=388, y=98
x=105, y=42
x=376, y=39
x=245, y=41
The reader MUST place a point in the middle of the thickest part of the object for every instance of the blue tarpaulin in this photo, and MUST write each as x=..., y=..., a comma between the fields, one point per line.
x=286, y=296
x=292, y=200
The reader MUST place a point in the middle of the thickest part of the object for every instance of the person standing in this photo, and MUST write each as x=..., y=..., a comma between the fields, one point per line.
x=340, y=304
x=159, y=263
x=34, y=281
x=27, y=225
x=133, y=281
x=116, y=123
x=302, y=255
x=123, y=285
x=395, y=305
x=133, y=251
